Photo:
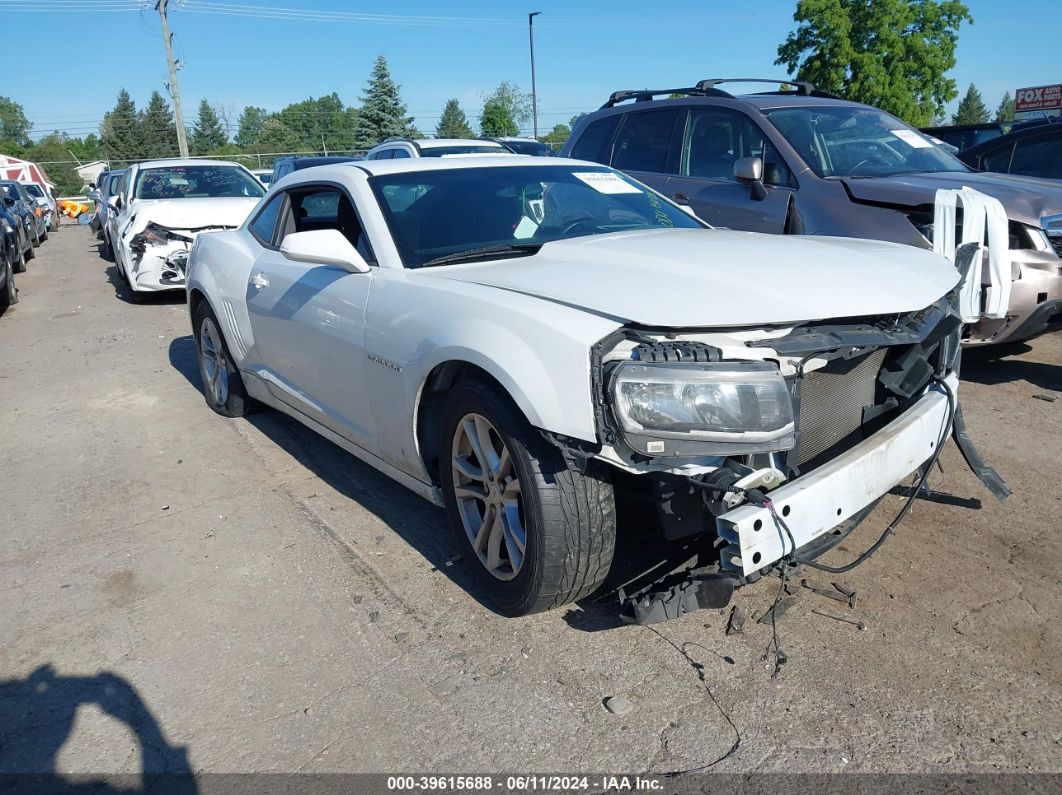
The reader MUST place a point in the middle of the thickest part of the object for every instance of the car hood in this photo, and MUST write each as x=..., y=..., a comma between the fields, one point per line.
x=1026, y=199
x=192, y=213
x=694, y=278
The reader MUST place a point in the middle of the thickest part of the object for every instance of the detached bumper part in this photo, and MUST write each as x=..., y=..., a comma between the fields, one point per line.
x=675, y=596
x=815, y=503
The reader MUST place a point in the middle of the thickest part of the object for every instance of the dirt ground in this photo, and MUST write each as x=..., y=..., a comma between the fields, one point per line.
x=180, y=592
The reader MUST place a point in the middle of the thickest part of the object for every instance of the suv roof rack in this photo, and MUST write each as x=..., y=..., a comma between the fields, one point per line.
x=647, y=94
x=803, y=87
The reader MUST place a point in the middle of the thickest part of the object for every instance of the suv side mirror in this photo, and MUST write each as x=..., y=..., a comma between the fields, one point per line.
x=749, y=171
x=115, y=203
x=323, y=247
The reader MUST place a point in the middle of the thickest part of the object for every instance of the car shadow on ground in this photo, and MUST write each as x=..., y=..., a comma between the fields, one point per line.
x=39, y=714
x=641, y=553
x=123, y=293
x=996, y=364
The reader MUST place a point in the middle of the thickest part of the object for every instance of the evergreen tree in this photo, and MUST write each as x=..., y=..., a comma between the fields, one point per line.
x=208, y=135
x=1005, y=111
x=382, y=114
x=251, y=122
x=120, y=131
x=454, y=123
x=971, y=108
x=158, y=132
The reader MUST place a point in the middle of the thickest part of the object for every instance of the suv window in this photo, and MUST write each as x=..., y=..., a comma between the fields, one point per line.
x=644, y=141
x=262, y=227
x=594, y=142
x=1038, y=157
x=325, y=207
x=716, y=138
x=998, y=159
x=399, y=153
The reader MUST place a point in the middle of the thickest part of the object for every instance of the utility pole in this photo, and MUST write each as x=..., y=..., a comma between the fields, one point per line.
x=534, y=94
x=175, y=91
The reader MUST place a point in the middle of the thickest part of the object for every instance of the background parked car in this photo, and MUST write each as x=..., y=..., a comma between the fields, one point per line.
x=525, y=146
x=8, y=293
x=1030, y=151
x=106, y=187
x=397, y=148
x=285, y=165
x=806, y=162
x=163, y=206
x=963, y=136
x=44, y=200
x=17, y=203
x=265, y=175
x=16, y=233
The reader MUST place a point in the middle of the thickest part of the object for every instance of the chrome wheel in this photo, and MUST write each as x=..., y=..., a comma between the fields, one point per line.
x=488, y=495
x=213, y=363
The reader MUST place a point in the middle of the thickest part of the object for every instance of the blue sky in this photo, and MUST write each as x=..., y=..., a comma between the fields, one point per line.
x=77, y=60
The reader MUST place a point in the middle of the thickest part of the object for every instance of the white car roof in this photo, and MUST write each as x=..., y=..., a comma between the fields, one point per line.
x=177, y=162
x=405, y=165
x=431, y=143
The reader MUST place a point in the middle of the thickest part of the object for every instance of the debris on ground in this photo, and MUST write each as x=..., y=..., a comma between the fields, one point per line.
x=853, y=621
x=618, y=705
x=737, y=621
x=834, y=591
x=779, y=609
x=1046, y=398
x=445, y=687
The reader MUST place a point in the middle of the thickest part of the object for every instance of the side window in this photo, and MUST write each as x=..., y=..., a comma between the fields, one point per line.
x=325, y=207
x=715, y=139
x=644, y=141
x=263, y=226
x=593, y=143
x=1039, y=157
x=998, y=159
x=399, y=153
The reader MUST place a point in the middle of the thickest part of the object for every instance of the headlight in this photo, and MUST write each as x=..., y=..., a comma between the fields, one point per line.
x=724, y=408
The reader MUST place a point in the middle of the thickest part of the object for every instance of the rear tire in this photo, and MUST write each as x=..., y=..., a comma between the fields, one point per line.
x=19, y=265
x=29, y=253
x=222, y=384
x=567, y=518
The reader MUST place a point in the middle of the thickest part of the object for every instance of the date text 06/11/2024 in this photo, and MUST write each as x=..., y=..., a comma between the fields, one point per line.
x=521, y=783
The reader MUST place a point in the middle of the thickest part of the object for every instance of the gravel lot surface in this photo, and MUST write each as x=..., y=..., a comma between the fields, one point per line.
x=182, y=591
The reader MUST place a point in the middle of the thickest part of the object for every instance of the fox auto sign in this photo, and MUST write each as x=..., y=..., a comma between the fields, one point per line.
x=1038, y=98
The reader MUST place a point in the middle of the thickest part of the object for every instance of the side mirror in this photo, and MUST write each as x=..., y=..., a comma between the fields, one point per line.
x=749, y=171
x=324, y=247
x=115, y=203
x=94, y=195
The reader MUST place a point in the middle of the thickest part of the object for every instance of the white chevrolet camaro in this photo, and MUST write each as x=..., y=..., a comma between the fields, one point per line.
x=533, y=343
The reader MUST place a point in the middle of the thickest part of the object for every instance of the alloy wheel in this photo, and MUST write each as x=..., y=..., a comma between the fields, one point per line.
x=489, y=498
x=213, y=363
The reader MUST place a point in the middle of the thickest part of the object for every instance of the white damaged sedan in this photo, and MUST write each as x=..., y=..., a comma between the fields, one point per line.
x=160, y=209
x=539, y=345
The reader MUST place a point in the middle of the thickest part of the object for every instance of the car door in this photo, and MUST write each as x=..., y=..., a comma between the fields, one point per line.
x=308, y=319
x=1039, y=155
x=644, y=145
x=117, y=221
x=713, y=140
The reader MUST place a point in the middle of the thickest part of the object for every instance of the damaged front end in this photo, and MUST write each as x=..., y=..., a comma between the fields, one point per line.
x=159, y=256
x=770, y=444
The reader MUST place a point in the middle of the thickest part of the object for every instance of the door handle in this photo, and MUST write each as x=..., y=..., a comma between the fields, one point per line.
x=258, y=280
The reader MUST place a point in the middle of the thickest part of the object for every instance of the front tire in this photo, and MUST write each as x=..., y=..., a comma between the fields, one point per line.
x=222, y=385
x=19, y=265
x=9, y=295
x=537, y=533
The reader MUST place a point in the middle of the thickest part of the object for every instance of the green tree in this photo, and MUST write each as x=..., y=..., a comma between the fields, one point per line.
x=1005, y=111
x=504, y=110
x=14, y=126
x=207, y=135
x=454, y=123
x=158, y=132
x=893, y=54
x=251, y=122
x=558, y=136
x=971, y=108
x=120, y=131
x=51, y=151
x=318, y=125
x=85, y=149
x=382, y=114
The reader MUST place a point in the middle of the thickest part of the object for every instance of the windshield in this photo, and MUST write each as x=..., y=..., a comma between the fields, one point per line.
x=461, y=149
x=437, y=214
x=859, y=142
x=11, y=190
x=35, y=190
x=196, y=182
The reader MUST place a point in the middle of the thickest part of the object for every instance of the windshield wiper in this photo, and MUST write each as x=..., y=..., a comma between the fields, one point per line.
x=490, y=252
